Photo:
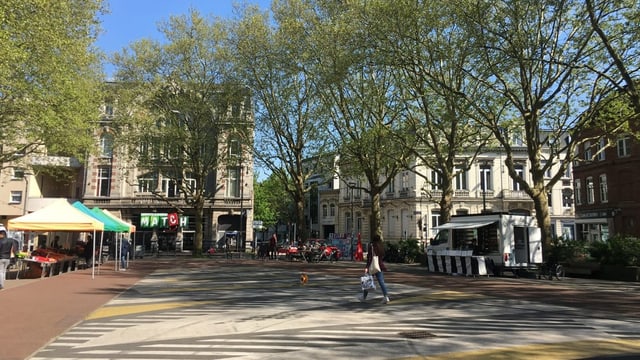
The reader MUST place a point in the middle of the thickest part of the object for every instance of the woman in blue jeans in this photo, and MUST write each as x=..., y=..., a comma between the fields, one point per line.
x=376, y=246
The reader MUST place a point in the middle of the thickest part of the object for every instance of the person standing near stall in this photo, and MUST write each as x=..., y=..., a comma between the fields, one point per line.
x=7, y=249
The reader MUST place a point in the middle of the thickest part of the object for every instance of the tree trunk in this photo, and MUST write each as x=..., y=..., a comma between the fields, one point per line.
x=199, y=234
x=301, y=226
x=374, y=223
x=446, y=203
x=541, y=204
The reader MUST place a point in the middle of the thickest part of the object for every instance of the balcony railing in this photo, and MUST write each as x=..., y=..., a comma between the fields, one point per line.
x=514, y=194
x=145, y=200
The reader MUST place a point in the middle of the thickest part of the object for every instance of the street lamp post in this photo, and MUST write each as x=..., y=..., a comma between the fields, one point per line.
x=351, y=186
x=240, y=237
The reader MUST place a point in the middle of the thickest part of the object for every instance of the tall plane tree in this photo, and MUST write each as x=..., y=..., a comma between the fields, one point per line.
x=181, y=119
x=365, y=103
x=272, y=59
x=535, y=55
x=424, y=42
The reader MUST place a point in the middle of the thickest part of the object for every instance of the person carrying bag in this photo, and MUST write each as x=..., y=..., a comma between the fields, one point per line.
x=375, y=267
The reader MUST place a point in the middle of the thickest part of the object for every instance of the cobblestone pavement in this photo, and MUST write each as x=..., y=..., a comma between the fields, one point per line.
x=245, y=309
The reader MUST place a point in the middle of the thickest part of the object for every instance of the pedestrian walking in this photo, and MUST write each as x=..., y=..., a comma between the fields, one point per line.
x=154, y=244
x=7, y=250
x=376, y=247
x=124, y=253
x=273, y=243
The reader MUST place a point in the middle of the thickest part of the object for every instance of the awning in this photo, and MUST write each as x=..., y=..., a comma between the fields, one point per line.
x=464, y=225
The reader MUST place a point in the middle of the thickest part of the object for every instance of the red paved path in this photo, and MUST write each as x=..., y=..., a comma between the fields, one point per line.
x=35, y=311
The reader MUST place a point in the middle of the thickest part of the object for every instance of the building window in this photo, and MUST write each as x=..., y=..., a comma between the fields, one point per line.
x=171, y=188
x=435, y=222
x=568, y=232
x=108, y=109
x=106, y=145
x=405, y=181
x=234, y=148
x=547, y=171
x=18, y=174
x=325, y=210
x=588, y=156
x=357, y=190
x=485, y=178
x=16, y=197
x=590, y=191
x=624, y=146
x=519, y=168
x=332, y=210
x=602, y=144
x=567, y=197
x=104, y=181
x=604, y=192
x=461, y=179
x=436, y=180
x=147, y=183
x=233, y=182
x=577, y=190
x=391, y=188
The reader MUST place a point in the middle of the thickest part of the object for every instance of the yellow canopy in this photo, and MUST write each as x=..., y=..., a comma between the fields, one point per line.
x=57, y=216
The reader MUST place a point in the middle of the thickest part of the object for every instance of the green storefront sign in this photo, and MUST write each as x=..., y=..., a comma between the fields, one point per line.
x=159, y=220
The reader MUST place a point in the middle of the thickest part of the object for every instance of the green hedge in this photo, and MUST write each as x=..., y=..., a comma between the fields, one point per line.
x=617, y=250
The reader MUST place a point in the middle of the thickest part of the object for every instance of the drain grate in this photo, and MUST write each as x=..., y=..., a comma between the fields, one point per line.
x=416, y=334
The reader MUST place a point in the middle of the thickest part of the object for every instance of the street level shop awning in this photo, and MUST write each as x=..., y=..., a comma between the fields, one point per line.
x=464, y=225
x=57, y=216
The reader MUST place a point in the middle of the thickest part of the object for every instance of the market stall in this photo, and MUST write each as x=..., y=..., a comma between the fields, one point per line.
x=57, y=216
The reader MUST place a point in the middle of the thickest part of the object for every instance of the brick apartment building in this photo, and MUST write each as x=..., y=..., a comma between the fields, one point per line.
x=607, y=187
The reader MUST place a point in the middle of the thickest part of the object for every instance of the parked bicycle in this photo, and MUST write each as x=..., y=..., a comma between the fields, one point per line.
x=550, y=271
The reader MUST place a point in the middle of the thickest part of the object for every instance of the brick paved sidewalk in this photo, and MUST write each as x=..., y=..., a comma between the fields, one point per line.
x=38, y=310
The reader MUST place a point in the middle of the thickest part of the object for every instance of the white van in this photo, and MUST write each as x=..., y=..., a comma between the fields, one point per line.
x=510, y=241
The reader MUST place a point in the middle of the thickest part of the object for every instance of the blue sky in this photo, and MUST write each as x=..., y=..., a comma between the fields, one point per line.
x=132, y=20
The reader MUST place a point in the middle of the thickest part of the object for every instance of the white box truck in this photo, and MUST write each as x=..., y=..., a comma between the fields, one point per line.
x=511, y=242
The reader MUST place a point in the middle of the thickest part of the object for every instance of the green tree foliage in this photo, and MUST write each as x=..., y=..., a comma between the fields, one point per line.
x=181, y=118
x=366, y=106
x=272, y=59
x=422, y=40
x=49, y=78
x=533, y=65
x=272, y=203
x=617, y=250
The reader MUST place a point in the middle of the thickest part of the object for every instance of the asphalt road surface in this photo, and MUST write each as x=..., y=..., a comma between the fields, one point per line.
x=250, y=309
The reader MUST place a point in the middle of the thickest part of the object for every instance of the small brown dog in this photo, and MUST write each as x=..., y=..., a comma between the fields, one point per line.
x=304, y=279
